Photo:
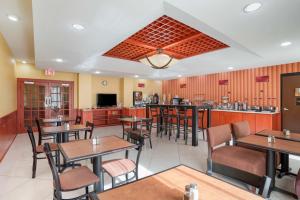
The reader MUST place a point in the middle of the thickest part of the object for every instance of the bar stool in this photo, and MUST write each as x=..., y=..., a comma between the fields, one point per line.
x=201, y=114
x=183, y=116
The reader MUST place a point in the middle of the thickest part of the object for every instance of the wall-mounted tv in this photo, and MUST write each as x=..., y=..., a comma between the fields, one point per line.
x=106, y=100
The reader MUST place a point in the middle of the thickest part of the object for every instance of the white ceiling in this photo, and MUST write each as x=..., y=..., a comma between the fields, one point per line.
x=254, y=38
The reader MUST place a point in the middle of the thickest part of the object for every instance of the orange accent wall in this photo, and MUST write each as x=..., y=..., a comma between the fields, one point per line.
x=241, y=85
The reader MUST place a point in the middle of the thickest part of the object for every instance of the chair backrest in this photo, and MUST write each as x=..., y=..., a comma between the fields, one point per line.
x=93, y=196
x=38, y=124
x=78, y=119
x=32, y=139
x=54, y=171
x=240, y=129
x=297, y=185
x=146, y=124
x=139, y=140
x=91, y=130
x=218, y=135
x=153, y=112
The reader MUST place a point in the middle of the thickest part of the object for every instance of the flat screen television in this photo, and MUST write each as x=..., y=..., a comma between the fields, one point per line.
x=106, y=100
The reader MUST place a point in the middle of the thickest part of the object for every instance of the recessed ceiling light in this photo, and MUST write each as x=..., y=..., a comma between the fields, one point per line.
x=252, y=7
x=13, y=18
x=78, y=27
x=59, y=60
x=179, y=76
x=136, y=76
x=230, y=68
x=285, y=44
x=97, y=72
x=24, y=62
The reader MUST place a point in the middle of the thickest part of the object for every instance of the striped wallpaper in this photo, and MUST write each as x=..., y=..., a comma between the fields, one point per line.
x=241, y=85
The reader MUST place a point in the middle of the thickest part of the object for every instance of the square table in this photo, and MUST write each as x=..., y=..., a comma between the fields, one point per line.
x=133, y=120
x=280, y=145
x=285, y=169
x=84, y=149
x=170, y=185
x=64, y=131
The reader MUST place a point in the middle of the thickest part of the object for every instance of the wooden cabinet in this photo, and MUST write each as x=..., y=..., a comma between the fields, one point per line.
x=257, y=121
x=138, y=112
x=102, y=117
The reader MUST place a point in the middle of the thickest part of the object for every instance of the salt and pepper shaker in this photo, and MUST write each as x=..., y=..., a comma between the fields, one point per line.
x=191, y=192
x=67, y=126
x=271, y=139
x=95, y=140
x=286, y=132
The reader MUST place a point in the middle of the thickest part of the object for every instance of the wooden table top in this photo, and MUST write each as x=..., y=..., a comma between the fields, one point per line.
x=63, y=129
x=280, y=145
x=132, y=119
x=280, y=135
x=54, y=120
x=170, y=185
x=84, y=149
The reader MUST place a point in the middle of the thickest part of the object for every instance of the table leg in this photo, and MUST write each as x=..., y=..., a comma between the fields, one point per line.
x=285, y=169
x=271, y=167
x=97, y=169
x=194, y=126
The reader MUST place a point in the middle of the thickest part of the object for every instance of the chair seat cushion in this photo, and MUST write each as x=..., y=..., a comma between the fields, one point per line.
x=142, y=132
x=297, y=185
x=244, y=159
x=77, y=178
x=40, y=148
x=127, y=130
x=119, y=167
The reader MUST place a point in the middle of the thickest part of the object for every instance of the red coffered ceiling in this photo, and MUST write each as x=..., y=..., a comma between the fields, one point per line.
x=175, y=38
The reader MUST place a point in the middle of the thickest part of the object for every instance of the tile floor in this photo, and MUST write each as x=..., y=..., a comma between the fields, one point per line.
x=15, y=169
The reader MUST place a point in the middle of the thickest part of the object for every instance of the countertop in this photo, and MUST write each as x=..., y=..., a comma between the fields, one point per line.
x=253, y=112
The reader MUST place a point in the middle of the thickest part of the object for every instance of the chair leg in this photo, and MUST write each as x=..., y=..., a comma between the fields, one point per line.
x=34, y=166
x=87, y=192
x=126, y=178
x=150, y=142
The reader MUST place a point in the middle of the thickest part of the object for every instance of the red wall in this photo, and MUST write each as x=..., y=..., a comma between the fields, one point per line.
x=241, y=85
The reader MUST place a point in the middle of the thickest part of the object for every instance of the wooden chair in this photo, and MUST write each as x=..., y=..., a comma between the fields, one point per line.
x=120, y=167
x=145, y=130
x=37, y=150
x=125, y=128
x=76, y=133
x=90, y=131
x=74, y=179
x=41, y=137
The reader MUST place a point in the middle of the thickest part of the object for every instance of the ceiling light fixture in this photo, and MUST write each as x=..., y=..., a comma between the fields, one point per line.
x=179, y=76
x=97, y=72
x=159, y=60
x=24, y=62
x=13, y=18
x=59, y=60
x=78, y=27
x=285, y=44
x=230, y=68
x=252, y=7
x=136, y=76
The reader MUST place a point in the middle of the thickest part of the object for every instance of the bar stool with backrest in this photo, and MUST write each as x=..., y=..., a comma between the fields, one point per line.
x=201, y=114
x=155, y=116
x=182, y=116
x=37, y=150
x=74, y=179
x=124, y=167
x=145, y=130
x=40, y=136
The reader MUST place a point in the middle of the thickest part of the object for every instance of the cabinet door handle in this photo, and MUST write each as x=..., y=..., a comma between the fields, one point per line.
x=285, y=109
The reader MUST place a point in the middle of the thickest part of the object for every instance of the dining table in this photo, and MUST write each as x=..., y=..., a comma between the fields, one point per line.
x=133, y=120
x=78, y=150
x=58, y=120
x=279, y=145
x=170, y=185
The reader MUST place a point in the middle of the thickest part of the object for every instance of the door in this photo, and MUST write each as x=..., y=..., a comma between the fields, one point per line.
x=290, y=101
x=43, y=99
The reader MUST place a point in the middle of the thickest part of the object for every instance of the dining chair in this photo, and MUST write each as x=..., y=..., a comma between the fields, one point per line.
x=74, y=179
x=124, y=167
x=76, y=133
x=38, y=150
x=145, y=130
x=90, y=131
x=125, y=128
x=40, y=136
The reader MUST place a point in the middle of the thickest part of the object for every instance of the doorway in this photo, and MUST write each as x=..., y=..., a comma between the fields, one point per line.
x=40, y=99
x=290, y=102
